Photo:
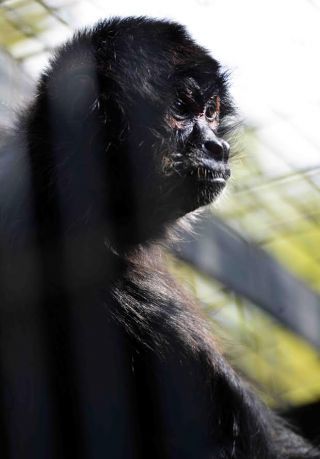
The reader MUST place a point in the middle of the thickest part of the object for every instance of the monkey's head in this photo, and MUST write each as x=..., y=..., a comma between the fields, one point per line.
x=150, y=106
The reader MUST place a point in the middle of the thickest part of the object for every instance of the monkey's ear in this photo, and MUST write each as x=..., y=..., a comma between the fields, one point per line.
x=73, y=94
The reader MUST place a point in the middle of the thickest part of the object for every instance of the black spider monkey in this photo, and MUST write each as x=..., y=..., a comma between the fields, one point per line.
x=124, y=138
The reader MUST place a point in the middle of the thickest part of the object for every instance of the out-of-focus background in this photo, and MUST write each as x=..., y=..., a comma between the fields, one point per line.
x=255, y=266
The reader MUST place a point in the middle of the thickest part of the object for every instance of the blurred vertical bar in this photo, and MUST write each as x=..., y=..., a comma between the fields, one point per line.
x=25, y=400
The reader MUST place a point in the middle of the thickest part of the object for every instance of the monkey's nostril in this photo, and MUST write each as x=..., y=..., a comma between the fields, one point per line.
x=215, y=149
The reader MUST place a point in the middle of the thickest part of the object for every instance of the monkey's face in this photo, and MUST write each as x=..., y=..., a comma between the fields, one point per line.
x=179, y=159
x=175, y=148
x=200, y=157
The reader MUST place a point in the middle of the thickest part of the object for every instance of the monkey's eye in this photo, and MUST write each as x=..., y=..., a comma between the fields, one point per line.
x=180, y=110
x=212, y=109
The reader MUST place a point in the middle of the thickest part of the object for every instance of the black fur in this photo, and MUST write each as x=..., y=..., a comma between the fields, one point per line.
x=113, y=151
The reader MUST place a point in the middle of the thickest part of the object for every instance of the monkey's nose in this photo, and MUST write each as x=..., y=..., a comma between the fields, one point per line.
x=217, y=149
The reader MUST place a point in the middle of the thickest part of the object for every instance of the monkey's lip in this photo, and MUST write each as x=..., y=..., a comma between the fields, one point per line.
x=221, y=180
x=210, y=171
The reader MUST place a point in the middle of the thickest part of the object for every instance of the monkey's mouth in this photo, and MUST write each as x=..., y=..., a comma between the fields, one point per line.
x=209, y=175
x=210, y=171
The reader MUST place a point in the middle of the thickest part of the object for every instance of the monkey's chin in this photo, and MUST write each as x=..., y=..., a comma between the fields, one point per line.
x=209, y=192
x=199, y=193
x=210, y=184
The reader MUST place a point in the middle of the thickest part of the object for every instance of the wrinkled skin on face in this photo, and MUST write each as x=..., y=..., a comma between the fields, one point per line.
x=201, y=155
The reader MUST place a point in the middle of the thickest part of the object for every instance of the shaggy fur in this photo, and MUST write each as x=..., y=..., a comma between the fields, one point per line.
x=116, y=361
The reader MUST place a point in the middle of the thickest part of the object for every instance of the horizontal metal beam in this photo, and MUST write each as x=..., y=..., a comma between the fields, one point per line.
x=218, y=251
